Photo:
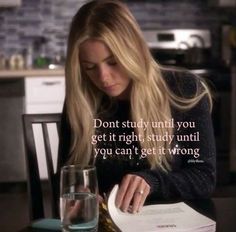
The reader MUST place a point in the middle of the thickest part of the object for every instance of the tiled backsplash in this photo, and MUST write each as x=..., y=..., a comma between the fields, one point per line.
x=19, y=27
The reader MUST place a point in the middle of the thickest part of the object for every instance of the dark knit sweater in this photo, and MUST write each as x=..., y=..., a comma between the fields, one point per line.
x=189, y=178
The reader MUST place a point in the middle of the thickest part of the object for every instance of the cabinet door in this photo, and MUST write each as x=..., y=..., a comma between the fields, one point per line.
x=233, y=123
x=10, y=3
x=227, y=3
x=12, y=158
x=44, y=90
x=222, y=3
x=42, y=108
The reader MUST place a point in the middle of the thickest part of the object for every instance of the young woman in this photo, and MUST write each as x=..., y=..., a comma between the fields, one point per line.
x=145, y=127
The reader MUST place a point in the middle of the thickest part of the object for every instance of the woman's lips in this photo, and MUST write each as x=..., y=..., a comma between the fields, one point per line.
x=109, y=88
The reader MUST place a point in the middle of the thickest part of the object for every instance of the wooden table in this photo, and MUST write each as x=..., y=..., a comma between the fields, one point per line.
x=222, y=210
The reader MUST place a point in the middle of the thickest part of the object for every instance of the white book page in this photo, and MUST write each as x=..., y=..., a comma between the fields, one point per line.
x=160, y=217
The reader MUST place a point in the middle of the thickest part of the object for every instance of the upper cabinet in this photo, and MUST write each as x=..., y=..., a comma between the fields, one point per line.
x=227, y=2
x=10, y=3
x=223, y=3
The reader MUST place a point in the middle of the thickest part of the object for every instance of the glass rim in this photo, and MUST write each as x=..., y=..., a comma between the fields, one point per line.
x=78, y=167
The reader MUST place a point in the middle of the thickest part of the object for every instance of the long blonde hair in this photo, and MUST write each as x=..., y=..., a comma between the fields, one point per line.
x=110, y=21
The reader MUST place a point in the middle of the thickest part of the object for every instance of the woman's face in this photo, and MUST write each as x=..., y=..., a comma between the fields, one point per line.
x=100, y=65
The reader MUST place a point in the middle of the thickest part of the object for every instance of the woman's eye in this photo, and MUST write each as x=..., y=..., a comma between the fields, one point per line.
x=113, y=62
x=88, y=68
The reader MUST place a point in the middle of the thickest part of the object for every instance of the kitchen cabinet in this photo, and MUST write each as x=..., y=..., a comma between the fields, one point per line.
x=12, y=162
x=233, y=119
x=223, y=3
x=10, y=3
x=227, y=2
x=45, y=95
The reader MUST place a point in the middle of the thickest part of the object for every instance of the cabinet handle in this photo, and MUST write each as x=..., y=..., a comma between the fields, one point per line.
x=51, y=83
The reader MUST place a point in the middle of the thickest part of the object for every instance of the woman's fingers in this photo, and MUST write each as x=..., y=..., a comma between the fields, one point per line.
x=132, y=193
x=100, y=199
x=140, y=196
x=75, y=208
x=122, y=190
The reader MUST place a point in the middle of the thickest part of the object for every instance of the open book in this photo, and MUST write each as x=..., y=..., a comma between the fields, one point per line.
x=161, y=217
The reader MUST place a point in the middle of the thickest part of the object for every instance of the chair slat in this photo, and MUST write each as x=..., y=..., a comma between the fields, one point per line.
x=34, y=182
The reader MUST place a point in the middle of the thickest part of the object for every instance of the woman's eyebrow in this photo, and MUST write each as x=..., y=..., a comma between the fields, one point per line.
x=105, y=59
x=109, y=57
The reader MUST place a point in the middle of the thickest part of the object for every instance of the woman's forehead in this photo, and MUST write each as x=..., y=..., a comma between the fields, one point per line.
x=94, y=50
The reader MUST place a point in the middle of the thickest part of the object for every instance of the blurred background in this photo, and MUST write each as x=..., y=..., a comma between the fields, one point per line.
x=198, y=35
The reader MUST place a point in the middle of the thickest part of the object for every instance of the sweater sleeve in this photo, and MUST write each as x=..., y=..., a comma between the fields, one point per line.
x=194, y=177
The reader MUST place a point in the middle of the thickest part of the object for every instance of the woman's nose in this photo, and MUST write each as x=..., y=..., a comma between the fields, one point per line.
x=103, y=74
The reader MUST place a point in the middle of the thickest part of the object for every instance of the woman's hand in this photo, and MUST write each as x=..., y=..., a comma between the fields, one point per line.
x=132, y=193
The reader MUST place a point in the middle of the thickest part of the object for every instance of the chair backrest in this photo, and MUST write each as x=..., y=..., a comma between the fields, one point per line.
x=36, y=203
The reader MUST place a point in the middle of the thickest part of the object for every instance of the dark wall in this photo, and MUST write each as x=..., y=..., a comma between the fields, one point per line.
x=20, y=26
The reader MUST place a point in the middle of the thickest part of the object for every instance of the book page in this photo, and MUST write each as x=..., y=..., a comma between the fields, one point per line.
x=160, y=217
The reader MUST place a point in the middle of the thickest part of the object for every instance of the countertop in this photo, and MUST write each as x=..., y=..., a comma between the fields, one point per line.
x=21, y=73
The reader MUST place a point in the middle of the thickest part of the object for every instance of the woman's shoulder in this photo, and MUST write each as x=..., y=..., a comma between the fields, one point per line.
x=182, y=81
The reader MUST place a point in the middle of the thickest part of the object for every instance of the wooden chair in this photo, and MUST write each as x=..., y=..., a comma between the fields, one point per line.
x=37, y=209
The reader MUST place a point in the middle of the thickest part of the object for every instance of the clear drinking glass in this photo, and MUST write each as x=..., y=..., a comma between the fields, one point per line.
x=79, y=198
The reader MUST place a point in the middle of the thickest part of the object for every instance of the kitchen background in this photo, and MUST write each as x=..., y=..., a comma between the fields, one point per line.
x=33, y=35
x=21, y=27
